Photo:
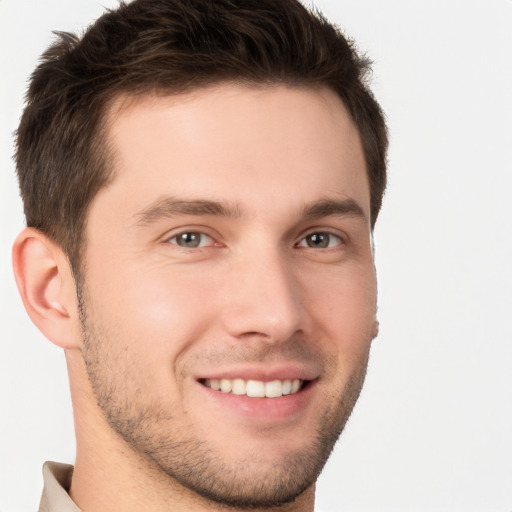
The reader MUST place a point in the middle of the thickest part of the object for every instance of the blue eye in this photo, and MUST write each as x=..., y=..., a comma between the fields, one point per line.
x=320, y=240
x=191, y=240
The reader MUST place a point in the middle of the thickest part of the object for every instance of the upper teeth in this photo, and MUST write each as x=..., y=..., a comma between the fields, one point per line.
x=255, y=388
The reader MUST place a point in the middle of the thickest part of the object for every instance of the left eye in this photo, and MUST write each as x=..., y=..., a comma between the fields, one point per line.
x=320, y=241
x=191, y=240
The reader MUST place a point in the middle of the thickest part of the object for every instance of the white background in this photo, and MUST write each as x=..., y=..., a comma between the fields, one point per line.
x=433, y=428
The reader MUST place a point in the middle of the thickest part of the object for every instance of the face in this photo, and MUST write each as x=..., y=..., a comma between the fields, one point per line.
x=228, y=297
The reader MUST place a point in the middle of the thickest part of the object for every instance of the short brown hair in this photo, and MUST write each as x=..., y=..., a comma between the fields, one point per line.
x=167, y=47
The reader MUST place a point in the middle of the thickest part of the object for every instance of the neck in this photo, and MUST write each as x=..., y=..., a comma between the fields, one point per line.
x=110, y=476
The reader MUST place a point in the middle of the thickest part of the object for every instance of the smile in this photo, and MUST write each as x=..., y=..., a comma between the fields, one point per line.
x=255, y=388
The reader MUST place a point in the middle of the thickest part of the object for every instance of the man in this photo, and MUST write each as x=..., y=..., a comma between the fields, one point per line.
x=201, y=181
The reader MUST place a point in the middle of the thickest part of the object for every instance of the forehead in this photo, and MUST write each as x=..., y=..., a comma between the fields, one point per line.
x=236, y=143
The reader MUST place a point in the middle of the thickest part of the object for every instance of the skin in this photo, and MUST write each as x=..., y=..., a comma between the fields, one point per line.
x=260, y=297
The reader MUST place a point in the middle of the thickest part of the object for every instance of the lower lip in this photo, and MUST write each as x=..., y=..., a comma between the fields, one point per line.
x=279, y=408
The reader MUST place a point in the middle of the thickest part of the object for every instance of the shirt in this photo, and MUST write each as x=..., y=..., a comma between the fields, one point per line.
x=57, y=480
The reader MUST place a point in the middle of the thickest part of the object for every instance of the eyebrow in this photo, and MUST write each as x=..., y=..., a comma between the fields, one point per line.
x=173, y=207
x=169, y=207
x=334, y=207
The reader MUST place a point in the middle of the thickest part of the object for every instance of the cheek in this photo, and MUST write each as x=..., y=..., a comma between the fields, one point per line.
x=343, y=306
x=152, y=311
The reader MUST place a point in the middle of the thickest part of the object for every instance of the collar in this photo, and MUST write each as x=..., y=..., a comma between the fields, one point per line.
x=57, y=481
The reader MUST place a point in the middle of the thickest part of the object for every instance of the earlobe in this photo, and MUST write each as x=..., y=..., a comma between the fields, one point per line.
x=47, y=287
x=375, y=330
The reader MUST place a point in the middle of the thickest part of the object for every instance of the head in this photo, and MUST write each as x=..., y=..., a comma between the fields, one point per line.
x=215, y=168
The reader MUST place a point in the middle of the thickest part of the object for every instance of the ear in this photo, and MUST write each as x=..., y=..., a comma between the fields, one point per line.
x=47, y=287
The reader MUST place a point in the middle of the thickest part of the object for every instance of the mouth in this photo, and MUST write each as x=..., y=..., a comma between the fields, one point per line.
x=256, y=388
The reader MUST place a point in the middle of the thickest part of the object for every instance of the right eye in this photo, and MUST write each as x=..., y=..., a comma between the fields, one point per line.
x=321, y=240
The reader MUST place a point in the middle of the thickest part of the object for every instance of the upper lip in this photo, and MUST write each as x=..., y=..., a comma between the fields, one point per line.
x=264, y=373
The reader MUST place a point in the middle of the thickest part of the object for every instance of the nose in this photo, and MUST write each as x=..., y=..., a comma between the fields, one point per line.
x=262, y=298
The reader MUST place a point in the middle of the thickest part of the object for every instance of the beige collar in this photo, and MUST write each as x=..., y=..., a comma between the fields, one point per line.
x=57, y=480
